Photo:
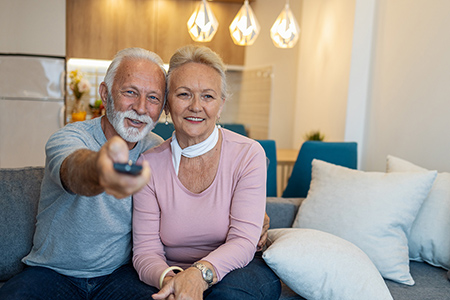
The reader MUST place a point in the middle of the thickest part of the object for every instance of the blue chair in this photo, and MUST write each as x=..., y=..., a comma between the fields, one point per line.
x=271, y=154
x=338, y=153
x=239, y=128
x=163, y=130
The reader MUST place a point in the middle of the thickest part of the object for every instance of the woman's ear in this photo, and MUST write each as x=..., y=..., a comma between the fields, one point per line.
x=167, y=108
x=221, y=107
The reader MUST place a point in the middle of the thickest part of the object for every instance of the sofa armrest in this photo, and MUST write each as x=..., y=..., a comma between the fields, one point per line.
x=19, y=197
x=282, y=211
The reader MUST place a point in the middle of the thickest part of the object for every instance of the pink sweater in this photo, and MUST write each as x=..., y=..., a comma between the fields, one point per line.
x=222, y=225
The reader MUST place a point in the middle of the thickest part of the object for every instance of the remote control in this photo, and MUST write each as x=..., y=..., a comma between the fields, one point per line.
x=128, y=168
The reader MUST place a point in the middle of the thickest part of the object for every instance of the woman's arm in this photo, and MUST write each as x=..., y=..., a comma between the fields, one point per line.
x=246, y=215
x=148, y=251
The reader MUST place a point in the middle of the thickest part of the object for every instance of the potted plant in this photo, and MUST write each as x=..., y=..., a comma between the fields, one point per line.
x=314, y=135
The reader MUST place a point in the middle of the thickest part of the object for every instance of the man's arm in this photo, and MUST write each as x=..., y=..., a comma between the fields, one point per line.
x=264, y=233
x=79, y=173
x=90, y=173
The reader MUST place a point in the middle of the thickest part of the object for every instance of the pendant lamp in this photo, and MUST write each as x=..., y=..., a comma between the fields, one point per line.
x=245, y=28
x=285, y=30
x=202, y=24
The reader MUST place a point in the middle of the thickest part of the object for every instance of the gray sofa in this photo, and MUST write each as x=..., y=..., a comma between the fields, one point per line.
x=431, y=282
x=19, y=195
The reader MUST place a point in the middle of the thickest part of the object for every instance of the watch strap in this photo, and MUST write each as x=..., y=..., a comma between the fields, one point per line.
x=207, y=273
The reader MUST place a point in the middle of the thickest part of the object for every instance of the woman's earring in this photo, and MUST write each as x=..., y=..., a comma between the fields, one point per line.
x=217, y=122
x=166, y=122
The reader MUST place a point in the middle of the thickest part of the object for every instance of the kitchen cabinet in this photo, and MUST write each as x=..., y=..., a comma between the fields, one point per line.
x=97, y=29
x=33, y=27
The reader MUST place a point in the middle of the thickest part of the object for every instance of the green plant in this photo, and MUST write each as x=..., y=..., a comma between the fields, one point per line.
x=314, y=135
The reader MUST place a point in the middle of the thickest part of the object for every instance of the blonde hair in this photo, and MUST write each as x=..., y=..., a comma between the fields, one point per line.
x=201, y=55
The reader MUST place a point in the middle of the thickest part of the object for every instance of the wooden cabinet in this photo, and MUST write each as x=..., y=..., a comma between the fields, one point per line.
x=97, y=29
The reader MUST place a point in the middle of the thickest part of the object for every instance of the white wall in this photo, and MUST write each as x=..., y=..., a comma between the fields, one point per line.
x=284, y=62
x=409, y=101
x=33, y=27
x=323, y=69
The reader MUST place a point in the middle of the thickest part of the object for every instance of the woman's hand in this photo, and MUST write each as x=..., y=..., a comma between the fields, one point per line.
x=186, y=285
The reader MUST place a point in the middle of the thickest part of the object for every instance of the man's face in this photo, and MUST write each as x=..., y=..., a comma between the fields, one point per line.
x=136, y=98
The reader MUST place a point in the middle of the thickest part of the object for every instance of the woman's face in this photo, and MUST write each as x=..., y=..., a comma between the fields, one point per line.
x=195, y=102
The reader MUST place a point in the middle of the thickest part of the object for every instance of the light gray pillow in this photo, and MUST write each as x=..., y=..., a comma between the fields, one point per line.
x=429, y=239
x=321, y=266
x=372, y=210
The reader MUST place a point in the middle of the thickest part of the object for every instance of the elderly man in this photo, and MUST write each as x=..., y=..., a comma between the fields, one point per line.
x=82, y=243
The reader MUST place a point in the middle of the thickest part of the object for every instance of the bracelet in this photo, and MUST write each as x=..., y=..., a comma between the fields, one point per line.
x=163, y=275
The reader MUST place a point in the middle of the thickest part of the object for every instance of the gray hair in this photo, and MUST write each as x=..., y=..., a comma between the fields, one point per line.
x=130, y=53
x=201, y=55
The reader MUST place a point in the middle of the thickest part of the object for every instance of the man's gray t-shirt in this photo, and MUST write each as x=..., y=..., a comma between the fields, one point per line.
x=76, y=235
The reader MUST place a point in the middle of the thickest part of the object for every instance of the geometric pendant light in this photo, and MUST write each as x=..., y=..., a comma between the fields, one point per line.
x=202, y=24
x=285, y=31
x=245, y=28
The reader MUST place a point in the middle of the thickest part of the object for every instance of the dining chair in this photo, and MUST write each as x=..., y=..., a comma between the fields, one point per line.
x=271, y=159
x=338, y=153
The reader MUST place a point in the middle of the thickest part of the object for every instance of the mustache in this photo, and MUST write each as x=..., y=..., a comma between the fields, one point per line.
x=131, y=114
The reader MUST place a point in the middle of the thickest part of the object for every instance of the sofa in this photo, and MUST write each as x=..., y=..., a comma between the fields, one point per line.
x=431, y=283
x=19, y=196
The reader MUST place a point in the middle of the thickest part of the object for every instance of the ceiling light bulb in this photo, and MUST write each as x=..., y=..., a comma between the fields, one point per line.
x=245, y=28
x=202, y=24
x=285, y=31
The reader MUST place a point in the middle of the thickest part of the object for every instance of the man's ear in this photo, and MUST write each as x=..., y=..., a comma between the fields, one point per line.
x=103, y=91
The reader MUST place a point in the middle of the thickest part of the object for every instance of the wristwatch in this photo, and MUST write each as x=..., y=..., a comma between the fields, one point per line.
x=207, y=274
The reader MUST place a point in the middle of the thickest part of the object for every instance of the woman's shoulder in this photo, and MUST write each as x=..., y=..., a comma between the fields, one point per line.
x=237, y=137
x=236, y=140
x=158, y=151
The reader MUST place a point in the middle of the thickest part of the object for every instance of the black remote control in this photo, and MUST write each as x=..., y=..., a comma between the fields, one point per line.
x=128, y=168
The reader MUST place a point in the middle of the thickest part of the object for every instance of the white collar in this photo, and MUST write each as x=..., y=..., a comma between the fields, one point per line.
x=194, y=150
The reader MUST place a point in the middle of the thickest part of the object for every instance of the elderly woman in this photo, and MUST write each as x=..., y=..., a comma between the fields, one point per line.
x=202, y=212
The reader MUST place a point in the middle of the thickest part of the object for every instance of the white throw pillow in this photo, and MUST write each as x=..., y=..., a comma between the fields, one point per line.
x=429, y=239
x=372, y=210
x=318, y=265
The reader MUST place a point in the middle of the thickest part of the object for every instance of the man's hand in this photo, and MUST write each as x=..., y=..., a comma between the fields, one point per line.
x=114, y=183
x=263, y=239
x=90, y=173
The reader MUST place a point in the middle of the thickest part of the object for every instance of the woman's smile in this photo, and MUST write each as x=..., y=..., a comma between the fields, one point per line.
x=194, y=119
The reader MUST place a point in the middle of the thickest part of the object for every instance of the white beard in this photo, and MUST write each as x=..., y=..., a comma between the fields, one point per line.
x=117, y=119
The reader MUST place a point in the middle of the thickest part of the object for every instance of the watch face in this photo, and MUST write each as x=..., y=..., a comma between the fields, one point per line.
x=208, y=276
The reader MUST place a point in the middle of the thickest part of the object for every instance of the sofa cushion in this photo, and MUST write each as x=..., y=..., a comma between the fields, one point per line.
x=429, y=239
x=19, y=197
x=431, y=284
x=373, y=210
x=282, y=211
x=318, y=265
